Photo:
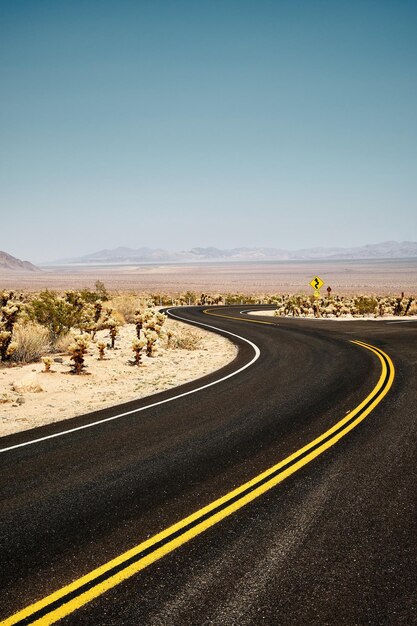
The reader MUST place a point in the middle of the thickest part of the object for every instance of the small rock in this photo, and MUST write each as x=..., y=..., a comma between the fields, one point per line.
x=20, y=400
x=58, y=359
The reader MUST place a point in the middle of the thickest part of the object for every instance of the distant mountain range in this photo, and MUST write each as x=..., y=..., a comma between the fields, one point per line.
x=12, y=264
x=123, y=256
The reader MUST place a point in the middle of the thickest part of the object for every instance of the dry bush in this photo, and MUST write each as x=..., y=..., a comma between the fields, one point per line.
x=184, y=339
x=32, y=341
x=126, y=305
x=118, y=318
x=62, y=343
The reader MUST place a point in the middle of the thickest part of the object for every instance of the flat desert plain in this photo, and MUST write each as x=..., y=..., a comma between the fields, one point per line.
x=380, y=277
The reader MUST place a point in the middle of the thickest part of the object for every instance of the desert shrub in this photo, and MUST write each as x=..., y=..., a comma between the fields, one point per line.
x=100, y=293
x=101, y=290
x=32, y=340
x=101, y=348
x=9, y=313
x=77, y=351
x=126, y=305
x=47, y=362
x=61, y=313
x=365, y=305
x=63, y=342
x=118, y=317
x=56, y=313
x=184, y=339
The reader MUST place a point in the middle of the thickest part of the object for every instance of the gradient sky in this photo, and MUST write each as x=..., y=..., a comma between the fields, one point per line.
x=211, y=122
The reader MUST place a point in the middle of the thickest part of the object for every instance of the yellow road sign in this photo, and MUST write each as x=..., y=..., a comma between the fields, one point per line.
x=317, y=282
x=317, y=293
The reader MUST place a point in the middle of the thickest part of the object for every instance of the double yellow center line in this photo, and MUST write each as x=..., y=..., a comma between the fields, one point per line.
x=83, y=590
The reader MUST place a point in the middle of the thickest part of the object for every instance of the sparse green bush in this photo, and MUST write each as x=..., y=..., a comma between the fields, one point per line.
x=100, y=293
x=54, y=312
x=365, y=305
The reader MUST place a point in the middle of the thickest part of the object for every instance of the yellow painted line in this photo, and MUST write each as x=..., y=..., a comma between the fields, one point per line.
x=201, y=520
x=241, y=319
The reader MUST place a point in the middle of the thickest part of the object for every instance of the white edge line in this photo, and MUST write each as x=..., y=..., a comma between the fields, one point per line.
x=149, y=406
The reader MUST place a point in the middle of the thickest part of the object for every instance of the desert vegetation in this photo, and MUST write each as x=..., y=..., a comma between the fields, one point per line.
x=64, y=353
x=72, y=369
x=33, y=326
x=345, y=306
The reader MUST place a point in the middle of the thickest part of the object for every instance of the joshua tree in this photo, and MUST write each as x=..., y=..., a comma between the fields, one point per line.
x=9, y=313
x=137, y=347
x=77, y=351
x=113, y=327
x=98, y=307
x=138, y=322
x=151, y=338
x=169, y=337
x=101, y=347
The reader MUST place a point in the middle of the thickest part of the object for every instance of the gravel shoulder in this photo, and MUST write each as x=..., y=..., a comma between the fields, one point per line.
x=30, y=397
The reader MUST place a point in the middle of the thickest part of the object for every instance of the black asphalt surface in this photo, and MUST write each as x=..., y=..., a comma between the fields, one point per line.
x=335, y=543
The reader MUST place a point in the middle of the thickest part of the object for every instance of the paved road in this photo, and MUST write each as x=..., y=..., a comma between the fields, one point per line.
x=333, y=543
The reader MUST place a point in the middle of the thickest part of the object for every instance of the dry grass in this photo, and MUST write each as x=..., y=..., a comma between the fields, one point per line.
x=126, y=305
x=32, y=342
x=184, y=339
x=63, y=343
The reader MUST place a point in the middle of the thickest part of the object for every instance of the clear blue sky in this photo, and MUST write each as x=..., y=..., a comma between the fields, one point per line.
x=210, y=122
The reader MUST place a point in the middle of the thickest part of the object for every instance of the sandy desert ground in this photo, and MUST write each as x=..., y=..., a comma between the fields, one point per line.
x=384, y=277
x=29, y=397
x=346, y=318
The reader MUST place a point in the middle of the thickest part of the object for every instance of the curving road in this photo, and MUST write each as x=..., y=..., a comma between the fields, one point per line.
x=165, y=516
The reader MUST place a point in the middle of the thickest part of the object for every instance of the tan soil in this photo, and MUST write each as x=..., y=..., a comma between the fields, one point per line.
x=380, y=276
x=105, y=383
x=345, y=318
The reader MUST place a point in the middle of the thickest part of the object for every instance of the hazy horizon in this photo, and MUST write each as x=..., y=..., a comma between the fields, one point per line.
x=178, y=125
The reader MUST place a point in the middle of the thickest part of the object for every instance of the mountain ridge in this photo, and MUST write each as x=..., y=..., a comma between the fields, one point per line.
x=13, y=264
x=125, y=255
